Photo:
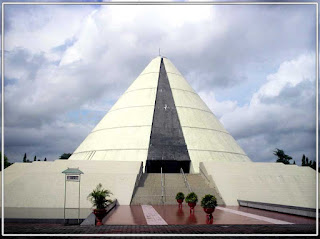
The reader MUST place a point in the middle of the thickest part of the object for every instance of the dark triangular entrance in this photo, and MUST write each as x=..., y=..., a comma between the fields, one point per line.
x=167, y=145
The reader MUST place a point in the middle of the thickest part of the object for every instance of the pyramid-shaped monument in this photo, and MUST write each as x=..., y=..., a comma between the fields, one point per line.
x=160, y=124
x=161, y=121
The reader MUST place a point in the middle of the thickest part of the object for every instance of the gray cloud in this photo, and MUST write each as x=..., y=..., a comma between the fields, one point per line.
x=284, y=120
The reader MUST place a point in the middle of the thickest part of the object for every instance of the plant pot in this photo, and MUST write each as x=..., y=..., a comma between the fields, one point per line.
x=180, y=201
x=100, y=214
x=208, y=210
x=192, y=205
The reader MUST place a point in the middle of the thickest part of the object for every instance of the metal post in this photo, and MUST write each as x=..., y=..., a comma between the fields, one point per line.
x=185, y=180
x=79, y=200
x=162, y=187
x=65, y=195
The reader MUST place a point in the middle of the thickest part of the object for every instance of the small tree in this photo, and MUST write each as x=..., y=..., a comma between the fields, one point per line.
x=192, y=198
x=45, y=159
x=180, y=196
x=6, y=161
x=25, y=158
x=303, y=160
x=209, y=201
x=282, y=157
x=35, y=158
x=99, y=197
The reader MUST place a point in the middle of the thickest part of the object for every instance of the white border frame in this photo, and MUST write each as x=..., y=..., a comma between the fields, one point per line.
x=158, y=3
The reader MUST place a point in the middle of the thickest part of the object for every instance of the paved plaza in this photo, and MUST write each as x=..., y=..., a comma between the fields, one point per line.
x=170, y=219
x=173, y=215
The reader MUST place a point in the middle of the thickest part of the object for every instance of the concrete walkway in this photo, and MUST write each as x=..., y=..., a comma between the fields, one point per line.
x=172, y=215
x=158, y=219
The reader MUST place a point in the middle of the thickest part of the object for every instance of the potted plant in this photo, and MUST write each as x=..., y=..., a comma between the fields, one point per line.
x=209, y=203
x=99, y=199
x=192, y=200
x=180, y=198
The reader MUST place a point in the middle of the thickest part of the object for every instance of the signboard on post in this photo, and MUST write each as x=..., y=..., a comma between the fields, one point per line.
x=71, y=175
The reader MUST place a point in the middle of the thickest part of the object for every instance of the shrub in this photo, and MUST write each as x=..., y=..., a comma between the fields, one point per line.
x=180, y=195
x=209, y=201
x=99, y=197
x=192, y=197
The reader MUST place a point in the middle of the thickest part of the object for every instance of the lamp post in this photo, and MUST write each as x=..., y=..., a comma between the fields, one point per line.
x=71, y=175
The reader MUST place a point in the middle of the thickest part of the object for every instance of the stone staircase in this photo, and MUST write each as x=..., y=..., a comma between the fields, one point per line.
x=201, y=187
x=173, y=183
x=149, y=188
x=148, y=191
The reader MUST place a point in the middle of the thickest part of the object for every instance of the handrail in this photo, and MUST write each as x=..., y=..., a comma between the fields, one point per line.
x=162, y=187
x=185, y=180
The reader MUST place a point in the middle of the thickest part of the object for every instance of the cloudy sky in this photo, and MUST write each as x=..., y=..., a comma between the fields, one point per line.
x=254, y=66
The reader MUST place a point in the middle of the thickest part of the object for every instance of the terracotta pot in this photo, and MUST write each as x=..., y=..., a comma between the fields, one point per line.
x=192, y=205
x=180, y=201
x=208, y=210
x=100, y=214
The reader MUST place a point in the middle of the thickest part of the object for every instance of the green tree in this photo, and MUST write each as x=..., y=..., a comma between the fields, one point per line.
x=282, y=157
x=303, y=160
x=35, y=158
x=65, y=156
x=45, y=159
x=6, y=161
x=294, y=162
x=25, y=158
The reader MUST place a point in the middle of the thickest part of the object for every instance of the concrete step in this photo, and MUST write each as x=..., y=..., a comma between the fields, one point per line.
x=147, y=200
x=149, y=190
x=151, y=180
x=173, y=180
x=201, y=187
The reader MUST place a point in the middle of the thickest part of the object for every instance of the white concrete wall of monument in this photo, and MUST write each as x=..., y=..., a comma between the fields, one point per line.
x=205, y=136
x=124, y=132
x=41, y=184
x=275, y=183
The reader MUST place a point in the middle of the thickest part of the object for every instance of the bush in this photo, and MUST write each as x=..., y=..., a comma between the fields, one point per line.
x=192, y=197
x=99, y=197
x=209, y=201
x=180, y=195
